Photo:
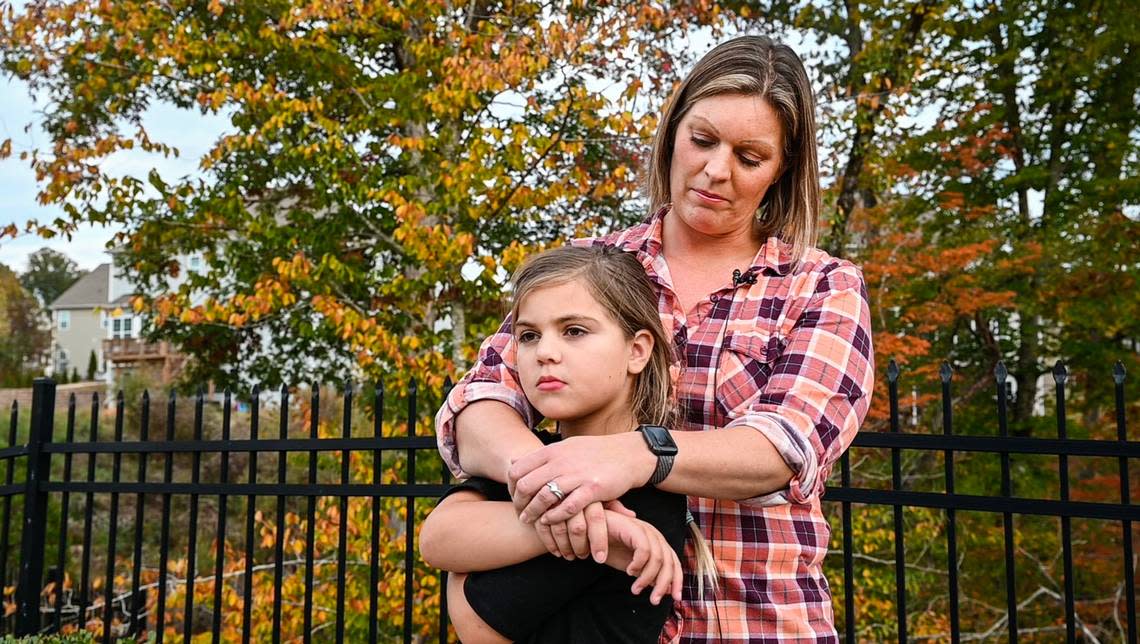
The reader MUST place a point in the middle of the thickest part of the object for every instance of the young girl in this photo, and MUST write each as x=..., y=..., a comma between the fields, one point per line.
x=593, y=356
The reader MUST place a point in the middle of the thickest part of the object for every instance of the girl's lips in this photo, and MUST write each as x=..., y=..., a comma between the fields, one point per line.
x=550, y=384
x=709, y=196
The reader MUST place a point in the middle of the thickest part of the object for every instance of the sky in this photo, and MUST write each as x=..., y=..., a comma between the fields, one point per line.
x=189, y=131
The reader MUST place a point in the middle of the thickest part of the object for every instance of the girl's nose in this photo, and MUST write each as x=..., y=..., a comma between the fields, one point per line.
x=547, y=350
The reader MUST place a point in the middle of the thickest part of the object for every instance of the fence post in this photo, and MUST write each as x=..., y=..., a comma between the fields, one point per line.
x=35, y=508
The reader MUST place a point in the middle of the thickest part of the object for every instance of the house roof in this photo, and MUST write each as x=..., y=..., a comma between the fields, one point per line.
x=87, y=292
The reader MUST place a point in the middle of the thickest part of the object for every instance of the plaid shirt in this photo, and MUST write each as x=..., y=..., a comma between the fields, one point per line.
x=789, y=356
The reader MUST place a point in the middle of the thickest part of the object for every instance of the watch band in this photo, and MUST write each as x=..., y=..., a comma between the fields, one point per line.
x=661, y=472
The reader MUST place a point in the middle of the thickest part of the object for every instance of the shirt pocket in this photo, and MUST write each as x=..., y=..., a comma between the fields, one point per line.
x=745, y=364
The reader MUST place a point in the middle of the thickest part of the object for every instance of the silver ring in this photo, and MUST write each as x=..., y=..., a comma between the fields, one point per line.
x=553, y=487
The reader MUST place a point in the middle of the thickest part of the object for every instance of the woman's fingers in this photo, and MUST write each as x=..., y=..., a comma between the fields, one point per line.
x=575, y=501
x=585, y=468
x=533, y=496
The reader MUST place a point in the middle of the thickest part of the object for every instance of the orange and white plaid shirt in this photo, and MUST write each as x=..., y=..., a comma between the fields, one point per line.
x=788, y=354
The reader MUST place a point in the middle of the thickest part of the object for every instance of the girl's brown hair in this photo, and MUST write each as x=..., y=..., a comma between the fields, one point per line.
x=754, y=66
x=618, y=281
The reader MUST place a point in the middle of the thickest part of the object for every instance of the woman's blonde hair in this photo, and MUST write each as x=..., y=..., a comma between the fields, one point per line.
x=617, y=280
x=754, y=66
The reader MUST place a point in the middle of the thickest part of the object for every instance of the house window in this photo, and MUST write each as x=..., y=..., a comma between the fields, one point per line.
x=61, y=362
x=121, y=327
x=195, y=263
x=64, y=319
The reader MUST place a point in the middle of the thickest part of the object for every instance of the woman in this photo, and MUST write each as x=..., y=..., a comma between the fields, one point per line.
x=777, y=364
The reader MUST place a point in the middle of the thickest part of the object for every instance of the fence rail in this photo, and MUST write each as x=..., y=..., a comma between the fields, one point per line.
x=55, y=506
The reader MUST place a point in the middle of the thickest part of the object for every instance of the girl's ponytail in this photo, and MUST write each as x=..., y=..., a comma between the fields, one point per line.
x=706, y=564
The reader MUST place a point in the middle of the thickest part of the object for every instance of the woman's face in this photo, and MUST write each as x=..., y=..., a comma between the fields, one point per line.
x=727, y=152
x=575, y=363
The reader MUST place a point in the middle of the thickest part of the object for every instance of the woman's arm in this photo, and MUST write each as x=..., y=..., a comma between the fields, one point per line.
x=779, y=448
x=489, y=436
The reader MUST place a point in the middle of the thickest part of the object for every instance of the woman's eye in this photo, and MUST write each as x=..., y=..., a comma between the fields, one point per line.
x=703, y=143
x=575, y=331
x=527, y=336
x=749, y=161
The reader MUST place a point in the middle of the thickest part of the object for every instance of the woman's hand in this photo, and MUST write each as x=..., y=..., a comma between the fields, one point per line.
x=639, y=549
x=586, y=469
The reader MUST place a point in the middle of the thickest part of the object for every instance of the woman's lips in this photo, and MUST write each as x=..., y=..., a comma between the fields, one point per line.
x=550, y=384
x=710, y=197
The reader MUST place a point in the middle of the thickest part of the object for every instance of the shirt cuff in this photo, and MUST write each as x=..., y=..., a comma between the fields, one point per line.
x=476, y=391
x=796, y=450
x=458, y=400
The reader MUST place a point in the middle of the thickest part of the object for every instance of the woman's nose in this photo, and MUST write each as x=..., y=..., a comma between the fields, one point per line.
x=718, y=165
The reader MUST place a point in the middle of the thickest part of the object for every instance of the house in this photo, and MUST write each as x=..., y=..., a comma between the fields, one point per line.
x=95, y=315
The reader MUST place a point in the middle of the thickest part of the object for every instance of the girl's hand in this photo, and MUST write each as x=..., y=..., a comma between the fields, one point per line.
x=641, y=551
x=584, y=534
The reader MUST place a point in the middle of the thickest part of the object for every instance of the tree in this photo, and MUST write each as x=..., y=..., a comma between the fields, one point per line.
x=49, y=274
x=92, y=365
x=22, y=341
x=387, y=164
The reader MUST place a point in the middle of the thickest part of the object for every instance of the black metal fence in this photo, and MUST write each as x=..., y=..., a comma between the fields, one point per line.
x=135, y=594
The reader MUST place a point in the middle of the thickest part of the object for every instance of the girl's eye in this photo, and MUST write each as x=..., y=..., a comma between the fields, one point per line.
x=527, y=336
x=575, y=331
x=701, y=142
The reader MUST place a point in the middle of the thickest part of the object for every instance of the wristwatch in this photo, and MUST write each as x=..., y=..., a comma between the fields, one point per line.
x=661, y=443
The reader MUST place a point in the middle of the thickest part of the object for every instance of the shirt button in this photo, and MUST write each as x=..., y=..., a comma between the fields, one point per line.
x=714, y=299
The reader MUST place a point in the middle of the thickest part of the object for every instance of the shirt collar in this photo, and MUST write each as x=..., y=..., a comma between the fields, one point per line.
x=773, y=258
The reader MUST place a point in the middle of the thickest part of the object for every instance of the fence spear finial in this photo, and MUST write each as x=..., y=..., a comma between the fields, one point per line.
x=1060, y=372
x=1118, y=372
x=1001, y=374
x=946, y=372
x=892, y=371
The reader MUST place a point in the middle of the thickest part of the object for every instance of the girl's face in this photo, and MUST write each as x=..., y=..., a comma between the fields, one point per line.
x=576, y=364
x=726, y=154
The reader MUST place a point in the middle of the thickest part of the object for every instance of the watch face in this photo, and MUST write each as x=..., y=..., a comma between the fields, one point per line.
x=659, y=440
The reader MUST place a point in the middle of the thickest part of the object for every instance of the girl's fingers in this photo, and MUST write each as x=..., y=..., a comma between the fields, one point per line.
x=547, y=538
x=616, y=506
x=663, y=584
x=579, y=540
x=679, y=580
x=597, y=532
x=652, y=566
x=640, y=547
x=562, y=538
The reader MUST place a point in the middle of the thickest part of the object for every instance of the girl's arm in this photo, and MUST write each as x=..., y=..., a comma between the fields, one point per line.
x=467, y=533
x=512, y=602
